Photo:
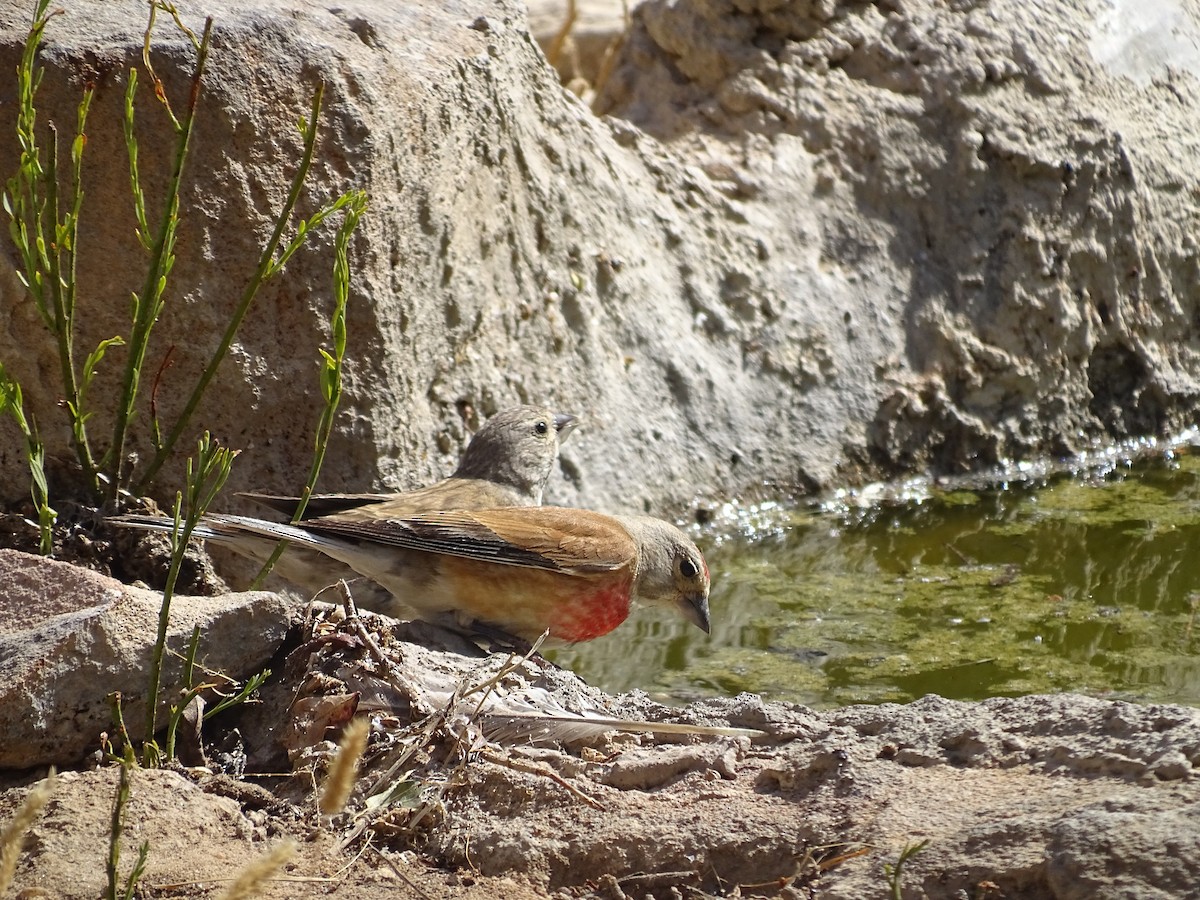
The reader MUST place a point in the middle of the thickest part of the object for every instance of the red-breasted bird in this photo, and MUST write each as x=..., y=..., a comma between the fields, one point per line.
x=506, y=463
x=515, y=570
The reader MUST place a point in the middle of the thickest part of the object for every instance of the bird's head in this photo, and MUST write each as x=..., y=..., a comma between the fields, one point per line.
x=671, y=570
x=517, y=447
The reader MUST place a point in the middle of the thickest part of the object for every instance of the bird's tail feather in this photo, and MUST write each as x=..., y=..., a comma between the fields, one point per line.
x=202, y=531
x=535, y=715
x=534, y=728
x=228, y=529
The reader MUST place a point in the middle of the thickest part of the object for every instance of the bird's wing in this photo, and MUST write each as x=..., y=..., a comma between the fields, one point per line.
x=559, y=540
x=318, y=504
x=452, y=493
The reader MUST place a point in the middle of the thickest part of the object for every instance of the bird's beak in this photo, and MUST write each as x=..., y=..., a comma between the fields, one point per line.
x=694, y=608
x=564, y=424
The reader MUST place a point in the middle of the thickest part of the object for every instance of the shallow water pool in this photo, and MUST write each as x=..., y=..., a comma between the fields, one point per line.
x=1081, y=582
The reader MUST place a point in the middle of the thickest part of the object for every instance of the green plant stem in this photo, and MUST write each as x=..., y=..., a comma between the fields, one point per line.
x=895, y=874
x=131, y=149
x=70, y=238
x=149, y=304
x=12, y=401
x=22, y=200
x=204, y=481
x=63, y=289
x=114, y=833
x=117, y=824
x=60, y=315
x=40, y=490
x=331, y=364
x=331, y=374
x=164, y=622
x=46, y=243
x=253, y=683
x=136, y=873
x=267, y=267
x=189, y=691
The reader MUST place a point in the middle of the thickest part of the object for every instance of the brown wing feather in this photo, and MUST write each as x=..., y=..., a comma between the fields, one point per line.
x=318, y=504
x=453, y=493
x=560, y=540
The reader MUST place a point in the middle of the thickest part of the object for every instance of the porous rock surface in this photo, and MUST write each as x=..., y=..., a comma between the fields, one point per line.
x=70, y=637
x=986, y=193
x=1033, y=797
x=810, y=241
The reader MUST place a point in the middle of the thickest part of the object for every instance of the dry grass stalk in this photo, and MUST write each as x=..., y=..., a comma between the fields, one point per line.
x=563, y=36
x=13, y=836
x=340, y=780
x=257, y=872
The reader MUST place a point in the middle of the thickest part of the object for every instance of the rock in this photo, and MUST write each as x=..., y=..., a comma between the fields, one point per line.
x=1056, y=797
x=971, y=211
x=515, y=250
x=1157, y=850
x=79, y=814
x=71, y=637
x=1024, y=797
x=810, y=242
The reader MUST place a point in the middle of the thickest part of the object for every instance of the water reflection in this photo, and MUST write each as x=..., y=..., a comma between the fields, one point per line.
x=1077, y=584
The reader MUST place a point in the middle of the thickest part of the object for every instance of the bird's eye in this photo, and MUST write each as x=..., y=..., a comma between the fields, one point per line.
x=688, y=569
x=541, y=428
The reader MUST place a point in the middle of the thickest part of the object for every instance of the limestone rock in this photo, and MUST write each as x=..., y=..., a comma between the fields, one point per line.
x=70, y=637
x=810, y=241
x=1048, y=797
x=1056, y=797
x=995, y=200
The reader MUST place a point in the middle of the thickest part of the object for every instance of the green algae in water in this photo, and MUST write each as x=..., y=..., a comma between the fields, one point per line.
x=1080, y=584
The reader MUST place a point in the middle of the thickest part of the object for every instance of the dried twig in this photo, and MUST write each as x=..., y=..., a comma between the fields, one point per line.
x=533, y=768
x=416, y=889
x=355, y=621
